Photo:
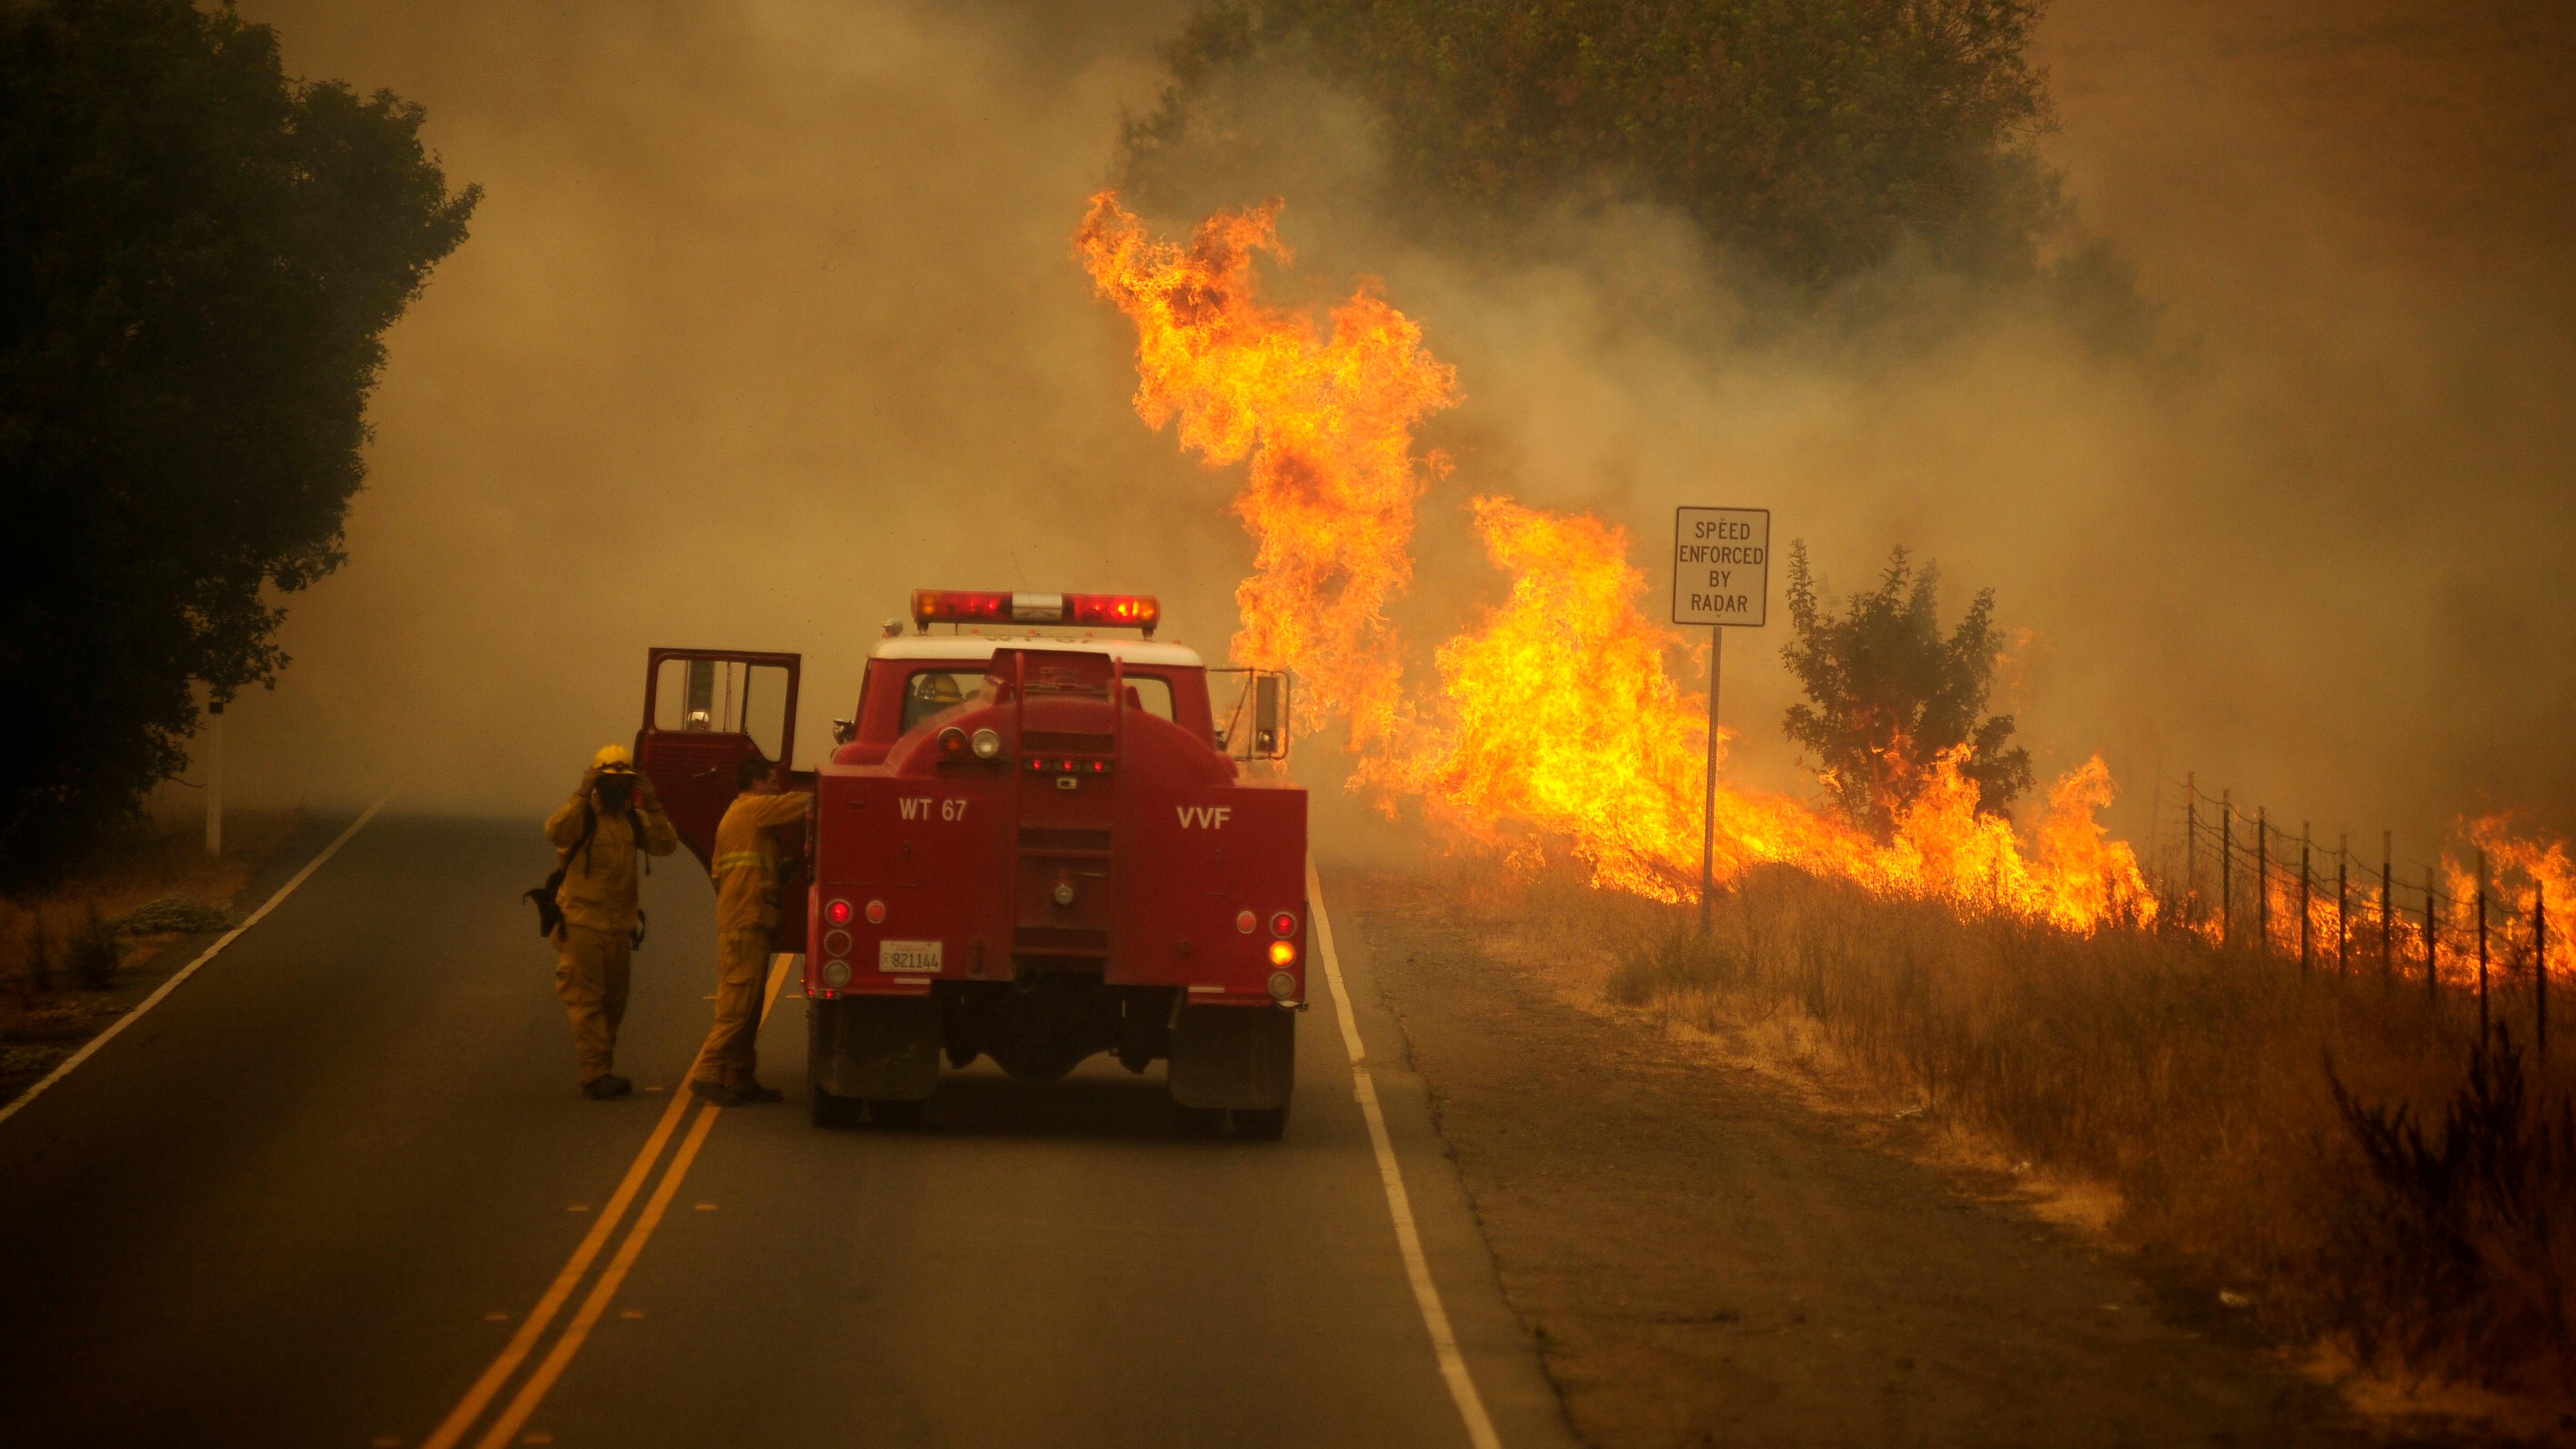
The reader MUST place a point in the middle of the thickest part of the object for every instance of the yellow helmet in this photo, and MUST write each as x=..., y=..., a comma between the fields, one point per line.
x=614, y=760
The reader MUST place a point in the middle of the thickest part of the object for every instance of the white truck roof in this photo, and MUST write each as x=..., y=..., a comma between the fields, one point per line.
x=977, y=644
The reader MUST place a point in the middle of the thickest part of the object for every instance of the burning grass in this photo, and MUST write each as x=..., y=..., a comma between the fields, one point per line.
x=2336, y=1152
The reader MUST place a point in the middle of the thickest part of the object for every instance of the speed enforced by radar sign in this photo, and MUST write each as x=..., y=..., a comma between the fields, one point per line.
x=1722, y=566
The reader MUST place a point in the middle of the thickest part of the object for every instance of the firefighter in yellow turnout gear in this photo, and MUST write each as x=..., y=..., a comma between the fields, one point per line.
x=611, y=817
x=746, y=873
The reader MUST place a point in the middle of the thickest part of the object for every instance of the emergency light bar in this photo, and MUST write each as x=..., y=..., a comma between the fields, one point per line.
x=969, y=606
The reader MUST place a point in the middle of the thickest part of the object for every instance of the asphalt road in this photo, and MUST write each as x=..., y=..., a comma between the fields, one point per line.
x=314, y=1195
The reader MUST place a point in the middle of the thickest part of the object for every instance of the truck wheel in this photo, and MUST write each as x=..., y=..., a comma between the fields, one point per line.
x=835, y=1112
x=1197, y=1121
x=895, y=1116
x=1262, y=1124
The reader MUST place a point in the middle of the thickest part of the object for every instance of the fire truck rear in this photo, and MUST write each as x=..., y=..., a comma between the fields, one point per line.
x=1036, y=845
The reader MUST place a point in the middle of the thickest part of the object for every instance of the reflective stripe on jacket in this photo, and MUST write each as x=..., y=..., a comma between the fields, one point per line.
x=746, y=858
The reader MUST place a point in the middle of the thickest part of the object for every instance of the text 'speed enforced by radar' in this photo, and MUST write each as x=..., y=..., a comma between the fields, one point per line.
x=1721, y=566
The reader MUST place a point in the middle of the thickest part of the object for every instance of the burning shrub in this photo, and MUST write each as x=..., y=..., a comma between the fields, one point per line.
x=1889, y=696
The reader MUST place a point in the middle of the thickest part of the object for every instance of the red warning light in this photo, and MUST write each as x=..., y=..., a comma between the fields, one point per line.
x=960, y=606
x=838, y=913
x=1114, y=611
x=986, y=606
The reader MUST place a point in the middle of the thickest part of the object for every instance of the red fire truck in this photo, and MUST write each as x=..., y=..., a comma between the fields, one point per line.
x=1036, y=840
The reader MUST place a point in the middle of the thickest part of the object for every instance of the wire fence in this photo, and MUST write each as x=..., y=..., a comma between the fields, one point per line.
x=2248, y=886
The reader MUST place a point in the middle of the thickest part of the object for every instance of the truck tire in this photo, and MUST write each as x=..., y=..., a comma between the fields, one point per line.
x=1197, y=1121
x=835, y=1112
x=896, y=1116
x=1261, y=1124
x=875, y=1048
x=1239, y=1057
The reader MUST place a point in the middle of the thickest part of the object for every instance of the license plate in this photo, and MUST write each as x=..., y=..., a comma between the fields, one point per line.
x=907, y=955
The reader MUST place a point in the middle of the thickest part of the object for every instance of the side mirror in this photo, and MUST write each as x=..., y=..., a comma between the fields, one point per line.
x=1269, y=717
x=843, y=729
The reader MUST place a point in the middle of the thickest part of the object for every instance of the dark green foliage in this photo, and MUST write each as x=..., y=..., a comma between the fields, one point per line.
x=1816, y=138
x=92, y=951
x=40, y=953
x=182, y=915
x=198, y=258
x=1888, y=693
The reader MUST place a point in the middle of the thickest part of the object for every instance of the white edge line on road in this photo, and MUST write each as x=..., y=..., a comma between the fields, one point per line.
x=184, y=972
x=1399, y=1205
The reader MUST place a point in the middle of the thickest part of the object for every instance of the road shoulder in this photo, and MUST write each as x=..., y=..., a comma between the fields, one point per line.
x=1500, y=1351
x=1702, y=1261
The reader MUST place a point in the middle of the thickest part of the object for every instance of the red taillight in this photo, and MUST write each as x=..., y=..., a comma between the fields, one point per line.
x=1244, y=920
x=952, y=742
x=837, y=912
x=876, y=913
x=1284, y=924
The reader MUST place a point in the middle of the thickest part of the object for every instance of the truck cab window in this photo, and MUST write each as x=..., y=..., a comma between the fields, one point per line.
x=1153, y=696
x=931, y=690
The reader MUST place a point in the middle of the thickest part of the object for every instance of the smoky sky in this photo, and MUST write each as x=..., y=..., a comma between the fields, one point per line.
x=770, y=316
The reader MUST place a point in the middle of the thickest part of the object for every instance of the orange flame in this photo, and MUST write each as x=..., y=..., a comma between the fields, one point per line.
x=2525, y=870
x=1328, y=424
x=1558, y=718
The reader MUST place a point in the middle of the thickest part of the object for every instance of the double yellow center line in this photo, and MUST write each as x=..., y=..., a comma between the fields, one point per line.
x=532, y=1391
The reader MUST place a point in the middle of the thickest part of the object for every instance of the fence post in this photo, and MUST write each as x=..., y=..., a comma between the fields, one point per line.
x=2387, y=911
x=2262, y=884
x=2343, y=899
x=2191, y=846
x=215, y=779
x=2305, y=842
x=2432, y=941
x=2226, y=862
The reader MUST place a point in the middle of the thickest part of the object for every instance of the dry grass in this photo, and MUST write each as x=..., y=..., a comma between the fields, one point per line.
x=2335, y=1152
x=63, y=951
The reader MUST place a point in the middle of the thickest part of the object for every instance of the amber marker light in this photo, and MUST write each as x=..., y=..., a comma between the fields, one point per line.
x=1282, y=952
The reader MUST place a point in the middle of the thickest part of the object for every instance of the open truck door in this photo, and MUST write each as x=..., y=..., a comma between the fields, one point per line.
x=705, y=712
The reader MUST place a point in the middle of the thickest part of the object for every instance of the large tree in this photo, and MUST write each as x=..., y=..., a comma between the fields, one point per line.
x=1888, y=693
x=198, y=260
x=1815, y=138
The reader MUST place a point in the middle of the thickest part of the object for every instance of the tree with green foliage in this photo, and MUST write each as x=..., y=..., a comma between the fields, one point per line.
x=198, y=260
x=1887, y=693
x=1815, y=138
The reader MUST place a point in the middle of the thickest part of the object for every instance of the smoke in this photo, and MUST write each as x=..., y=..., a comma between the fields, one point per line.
x=771, y=316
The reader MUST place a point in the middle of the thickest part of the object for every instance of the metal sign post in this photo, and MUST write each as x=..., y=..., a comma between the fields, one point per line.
x=1721, y=578
x=214, y=779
